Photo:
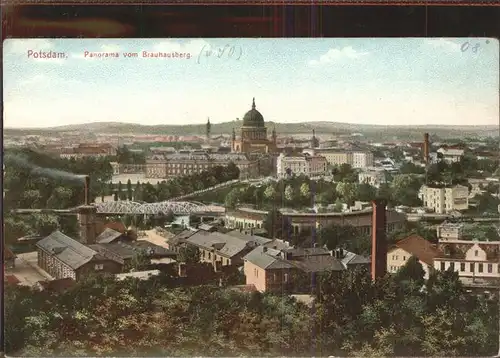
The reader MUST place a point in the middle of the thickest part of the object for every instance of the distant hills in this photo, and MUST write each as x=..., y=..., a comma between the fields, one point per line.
x=321, y=128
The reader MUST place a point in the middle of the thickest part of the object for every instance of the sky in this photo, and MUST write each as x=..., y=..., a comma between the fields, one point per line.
x=405, y=81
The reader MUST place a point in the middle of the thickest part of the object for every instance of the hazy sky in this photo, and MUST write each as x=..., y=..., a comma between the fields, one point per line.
x=372, y=81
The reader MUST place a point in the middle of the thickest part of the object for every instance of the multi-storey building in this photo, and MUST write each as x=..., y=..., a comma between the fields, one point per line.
x=362, y=159
x=186, y=163
x=444, y=199
x=309, y=165
x=356, y=159
x=373, y=176
x=476, y=262
x=450, y=231
x=87, y=150
x=451, y=155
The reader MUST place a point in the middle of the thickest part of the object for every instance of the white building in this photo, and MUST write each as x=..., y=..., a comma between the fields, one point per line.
x=450, y=231
x=475, y=261
x=362, y=159
x=306, y=164
x=444, y=199
x=373, y=176
x=413, y=245
x=451, y=155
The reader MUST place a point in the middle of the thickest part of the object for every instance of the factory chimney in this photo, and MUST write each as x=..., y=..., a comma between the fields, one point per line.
x=379, y=240
x=426, y=148
x=86, y=215
x=87, y=190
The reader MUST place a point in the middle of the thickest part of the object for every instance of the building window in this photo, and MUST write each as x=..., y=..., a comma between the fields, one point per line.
x=404, y=258
x=209, y=255
x=442, y=266
x=480, y=268
x=471, y=267
x=452, y=266
x=476, y=253
x=462, y=267
x=490, y=268
x=285, y=277
x=99, y=267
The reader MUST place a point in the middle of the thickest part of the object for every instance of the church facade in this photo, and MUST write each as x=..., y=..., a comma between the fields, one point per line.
x=253, y=136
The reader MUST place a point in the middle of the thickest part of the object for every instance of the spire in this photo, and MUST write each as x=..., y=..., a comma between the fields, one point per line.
x=234, y=134
x=253, y=103
x=208, y=128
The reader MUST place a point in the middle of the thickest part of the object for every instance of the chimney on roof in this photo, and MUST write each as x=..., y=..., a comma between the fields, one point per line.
x=379, y=242
x=426, y=148
x=86, y=190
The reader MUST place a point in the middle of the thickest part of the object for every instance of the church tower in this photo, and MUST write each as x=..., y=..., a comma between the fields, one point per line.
x=233, y=141
x=314, y=140
x=208, y=129
x=274, y=136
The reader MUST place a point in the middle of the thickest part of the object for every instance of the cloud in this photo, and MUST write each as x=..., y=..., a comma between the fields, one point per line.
x=335, y=54
x=445, y=44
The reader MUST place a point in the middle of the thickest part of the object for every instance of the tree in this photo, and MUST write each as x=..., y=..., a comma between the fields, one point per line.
x=129, y=190
x=305, y=191
x=366, y=192
x=276, y=225
x=139, y=262
x=270, y=193
x=405, y=188
x=348, y=191
x=120, y=190
x=115, y=196
x=189, y=254
x=412, y=271
x=290, y=194
x=232, y=198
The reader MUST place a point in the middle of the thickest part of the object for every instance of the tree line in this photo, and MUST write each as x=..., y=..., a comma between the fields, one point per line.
x=176, y=186
x=398, y=315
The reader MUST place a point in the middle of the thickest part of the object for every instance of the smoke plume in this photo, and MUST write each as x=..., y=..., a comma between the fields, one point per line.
x=23, y=163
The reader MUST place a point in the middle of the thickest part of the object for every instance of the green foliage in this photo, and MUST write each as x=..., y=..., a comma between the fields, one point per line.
x=126, y=156
x=189, y=254
x=186, y=184
x=353, y=316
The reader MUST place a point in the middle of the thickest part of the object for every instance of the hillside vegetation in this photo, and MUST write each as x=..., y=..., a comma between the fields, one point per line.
x=325, y=128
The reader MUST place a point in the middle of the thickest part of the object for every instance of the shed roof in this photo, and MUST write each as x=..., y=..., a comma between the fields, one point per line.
x=225, y=245
x=69, y=251
x=107, y=236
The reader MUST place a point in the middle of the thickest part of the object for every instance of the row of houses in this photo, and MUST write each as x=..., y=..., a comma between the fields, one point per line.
x=63, y=257
x=268, y=265
x=476, y=262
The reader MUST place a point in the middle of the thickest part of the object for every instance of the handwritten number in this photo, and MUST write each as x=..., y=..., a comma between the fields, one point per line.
x=231, y=51
x=199, y=55
x=227, y=51
x=241, y=53
x=464, y=47
x=475, y=48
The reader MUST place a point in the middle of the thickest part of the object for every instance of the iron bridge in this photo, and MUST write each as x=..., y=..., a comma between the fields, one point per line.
x=177, y=207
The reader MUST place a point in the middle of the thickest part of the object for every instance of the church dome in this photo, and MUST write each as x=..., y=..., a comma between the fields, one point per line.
x=253, y=118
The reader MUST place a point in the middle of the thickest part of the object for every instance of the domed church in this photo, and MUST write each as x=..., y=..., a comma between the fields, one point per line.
x=253, y=136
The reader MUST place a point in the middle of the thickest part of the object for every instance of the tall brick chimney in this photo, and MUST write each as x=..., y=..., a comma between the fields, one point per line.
x=379, y=240
x=86, y=216
x=87, y=190
x=426, y=148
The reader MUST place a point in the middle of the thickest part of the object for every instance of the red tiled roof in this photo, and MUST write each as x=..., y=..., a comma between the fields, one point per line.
x=419, y=247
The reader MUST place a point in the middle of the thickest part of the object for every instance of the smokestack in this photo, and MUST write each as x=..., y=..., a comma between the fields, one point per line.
x=379, y=241
x=87, y=190
x=426, y=147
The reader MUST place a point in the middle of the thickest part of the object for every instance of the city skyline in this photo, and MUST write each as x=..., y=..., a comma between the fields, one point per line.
x=413, y=81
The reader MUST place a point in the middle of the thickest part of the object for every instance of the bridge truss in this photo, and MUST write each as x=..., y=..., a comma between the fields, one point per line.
x=177, y=207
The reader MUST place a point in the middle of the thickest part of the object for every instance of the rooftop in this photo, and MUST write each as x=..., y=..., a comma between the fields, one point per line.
x=223, y=244
x=69, y=251
x=419, y=247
